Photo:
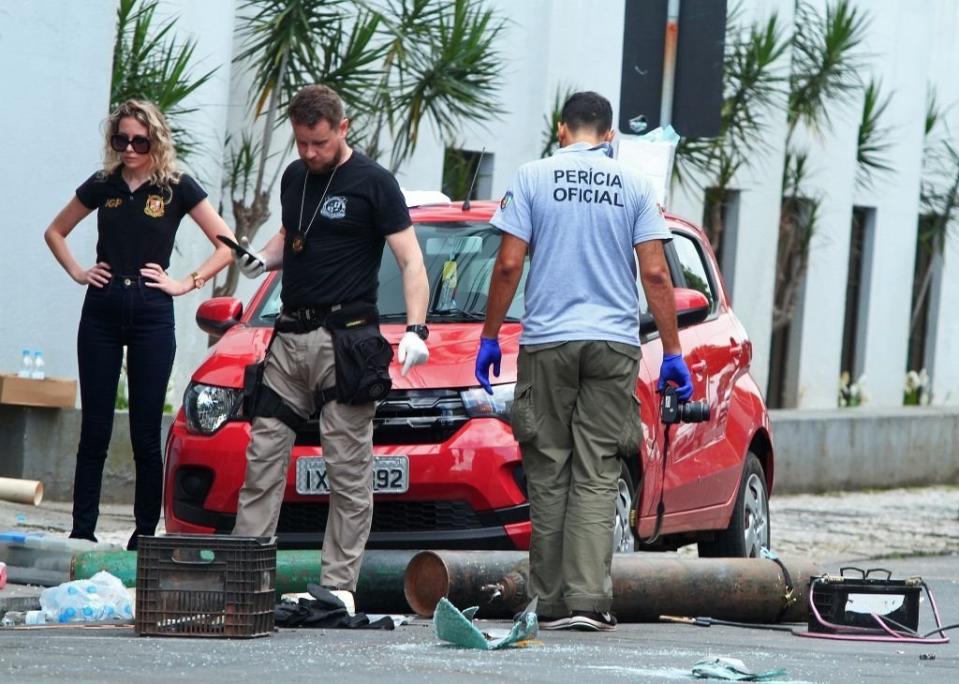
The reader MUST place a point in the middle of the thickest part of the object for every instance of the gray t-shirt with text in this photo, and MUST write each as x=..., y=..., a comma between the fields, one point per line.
x=582, y=215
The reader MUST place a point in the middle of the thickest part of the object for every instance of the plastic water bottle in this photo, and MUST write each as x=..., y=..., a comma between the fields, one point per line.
x=38, y=372
x=103, y=597
x=12, y=618
x=35, y=617
x=26, y=364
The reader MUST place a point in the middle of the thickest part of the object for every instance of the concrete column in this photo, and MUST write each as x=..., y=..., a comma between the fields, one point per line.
x=832, y=156
x=944, y=370
x=760, y=186
x=893, y=35
x=943, y=66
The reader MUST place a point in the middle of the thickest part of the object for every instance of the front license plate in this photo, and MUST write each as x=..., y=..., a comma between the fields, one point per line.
x=391, y=475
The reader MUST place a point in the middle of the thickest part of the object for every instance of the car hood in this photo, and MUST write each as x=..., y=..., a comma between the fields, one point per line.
x=451, y=365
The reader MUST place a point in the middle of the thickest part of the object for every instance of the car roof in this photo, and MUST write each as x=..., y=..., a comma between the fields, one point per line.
x=479, y=210
x=483, y=210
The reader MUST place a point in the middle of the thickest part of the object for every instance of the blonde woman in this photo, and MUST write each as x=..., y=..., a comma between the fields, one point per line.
x=140, y=199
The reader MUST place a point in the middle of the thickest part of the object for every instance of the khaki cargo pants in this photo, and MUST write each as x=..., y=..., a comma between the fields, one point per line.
x=574, y=413
x=296, y=366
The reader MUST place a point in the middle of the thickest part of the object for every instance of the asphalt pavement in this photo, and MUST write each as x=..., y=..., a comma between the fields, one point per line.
x=862, y=529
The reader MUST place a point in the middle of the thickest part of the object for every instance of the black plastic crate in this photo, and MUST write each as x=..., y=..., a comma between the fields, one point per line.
x=205, y=586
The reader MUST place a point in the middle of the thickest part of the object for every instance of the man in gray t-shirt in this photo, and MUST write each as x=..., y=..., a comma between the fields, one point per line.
x=582, y=215
x=584, y=219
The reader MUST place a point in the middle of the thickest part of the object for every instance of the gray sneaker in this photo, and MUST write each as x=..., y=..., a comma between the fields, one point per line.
x=547, y=623
x=588, y=621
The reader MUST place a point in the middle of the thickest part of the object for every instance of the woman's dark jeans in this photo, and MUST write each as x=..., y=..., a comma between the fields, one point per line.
x=125, y=313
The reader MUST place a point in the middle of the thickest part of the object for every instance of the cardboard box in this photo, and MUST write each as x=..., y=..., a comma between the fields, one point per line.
x=50, y=392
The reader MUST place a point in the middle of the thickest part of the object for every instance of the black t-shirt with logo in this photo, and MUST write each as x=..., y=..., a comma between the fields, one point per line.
x=340, y=259
x=137, y=228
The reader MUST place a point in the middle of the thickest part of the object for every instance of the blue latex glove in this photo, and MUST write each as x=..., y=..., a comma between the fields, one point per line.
x=674, y=370
x=489, y=355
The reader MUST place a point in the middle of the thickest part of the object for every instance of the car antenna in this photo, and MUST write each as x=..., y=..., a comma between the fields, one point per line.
x=466, y=202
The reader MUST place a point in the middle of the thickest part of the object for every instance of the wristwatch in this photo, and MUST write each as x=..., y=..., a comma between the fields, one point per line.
x=420, y=330
x=198, y=282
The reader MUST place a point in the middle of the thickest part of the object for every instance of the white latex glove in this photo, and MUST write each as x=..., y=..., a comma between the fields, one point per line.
x=412, y=351
x=252, y=265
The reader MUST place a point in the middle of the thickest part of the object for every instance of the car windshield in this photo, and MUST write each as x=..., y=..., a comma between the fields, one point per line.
x=459, y=259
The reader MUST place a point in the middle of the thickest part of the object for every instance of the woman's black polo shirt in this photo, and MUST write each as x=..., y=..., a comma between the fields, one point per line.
x=137, y=228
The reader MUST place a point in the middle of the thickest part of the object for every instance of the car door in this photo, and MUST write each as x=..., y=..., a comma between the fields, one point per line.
x=681, y=484
x=722, y=351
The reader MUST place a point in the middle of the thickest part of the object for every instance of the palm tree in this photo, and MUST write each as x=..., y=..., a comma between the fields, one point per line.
x=396, y=64
x=149, y=64
x=938, y=201
x=872, y=148
x=551, y=120
x=825, y=69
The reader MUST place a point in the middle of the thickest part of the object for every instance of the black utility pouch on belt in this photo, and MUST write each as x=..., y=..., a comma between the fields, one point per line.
x=252, y=380
x=362, y=355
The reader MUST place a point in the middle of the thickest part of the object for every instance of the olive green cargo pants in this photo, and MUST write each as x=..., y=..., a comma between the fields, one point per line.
x=574, y=413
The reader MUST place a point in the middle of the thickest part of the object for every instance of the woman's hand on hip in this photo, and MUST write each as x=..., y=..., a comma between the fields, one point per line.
x=98, y=275
x=159, y=279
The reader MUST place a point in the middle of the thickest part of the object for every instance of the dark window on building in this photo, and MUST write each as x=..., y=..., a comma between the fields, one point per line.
x=925, y=286
x=721, y=225
x=795, y=231
x=858, y=276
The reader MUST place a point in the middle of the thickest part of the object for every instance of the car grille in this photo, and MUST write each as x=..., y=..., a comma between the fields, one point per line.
x=407, y=417
x=388, y=516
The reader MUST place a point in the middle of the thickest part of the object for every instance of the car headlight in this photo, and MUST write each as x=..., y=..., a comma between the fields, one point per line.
x=208, y=407
x=479, y=404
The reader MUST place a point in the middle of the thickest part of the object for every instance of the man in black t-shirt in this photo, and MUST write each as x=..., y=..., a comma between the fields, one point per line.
x=339, y=208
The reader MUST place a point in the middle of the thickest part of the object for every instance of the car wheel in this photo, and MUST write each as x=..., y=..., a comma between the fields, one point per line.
x=623, y=539
x=748, y=530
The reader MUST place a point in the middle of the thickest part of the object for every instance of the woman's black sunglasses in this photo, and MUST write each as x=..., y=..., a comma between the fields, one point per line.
x=119, y=142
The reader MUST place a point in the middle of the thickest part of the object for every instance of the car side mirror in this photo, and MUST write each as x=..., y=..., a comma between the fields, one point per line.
x=216, y=316
x=692, y=307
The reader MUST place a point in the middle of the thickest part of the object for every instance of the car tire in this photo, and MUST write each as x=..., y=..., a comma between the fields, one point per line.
x=748, y=529
x=624, y=541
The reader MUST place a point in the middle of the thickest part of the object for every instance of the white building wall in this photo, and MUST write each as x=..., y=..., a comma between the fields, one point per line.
x=943, y=67
x=526, y=92
x=238, y=121
x=832, y=179
x=56, y=85
x=894, y=34
x=546, y=44
x=760, y=186
x=210, y=24
x=823, y=302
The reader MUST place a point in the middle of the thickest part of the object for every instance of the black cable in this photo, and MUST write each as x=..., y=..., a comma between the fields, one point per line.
x=709, y=622
x=660, y=507
x=941, y=629
x=902, y=627
x=747, y=625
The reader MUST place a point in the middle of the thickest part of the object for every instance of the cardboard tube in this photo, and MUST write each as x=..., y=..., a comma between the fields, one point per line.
x=21, y=491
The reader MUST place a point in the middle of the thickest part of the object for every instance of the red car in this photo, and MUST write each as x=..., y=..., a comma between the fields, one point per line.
x=448, y=473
